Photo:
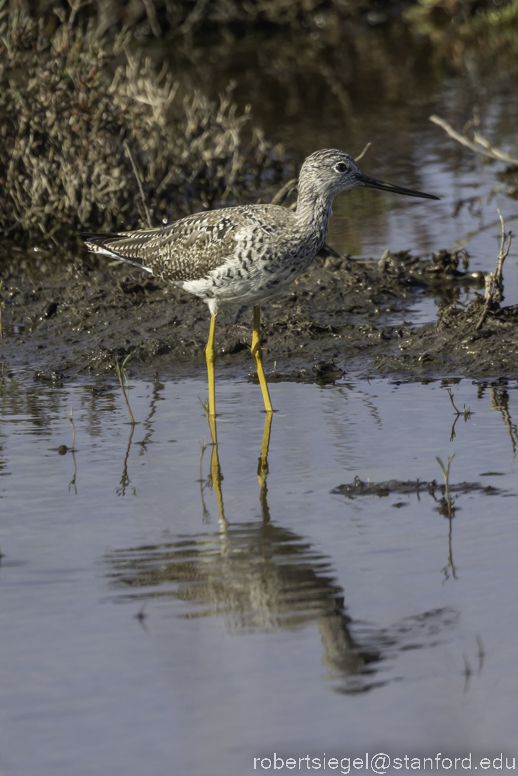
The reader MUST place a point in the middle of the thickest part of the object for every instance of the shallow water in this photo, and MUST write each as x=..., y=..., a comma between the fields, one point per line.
x=162, y=624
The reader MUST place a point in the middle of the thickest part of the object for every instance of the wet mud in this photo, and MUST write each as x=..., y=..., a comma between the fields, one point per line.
x=344, y=316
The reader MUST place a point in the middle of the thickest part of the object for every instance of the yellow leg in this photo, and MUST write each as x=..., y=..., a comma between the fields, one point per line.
x=258, y=358
x=215, y=469
x=262, y=469
x=210, y=354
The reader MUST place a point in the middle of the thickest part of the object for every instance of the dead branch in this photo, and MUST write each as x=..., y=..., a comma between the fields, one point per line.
x=495, y=280
x=139, y=182
x=479, y=144
x=367, y=146
x=285, y=192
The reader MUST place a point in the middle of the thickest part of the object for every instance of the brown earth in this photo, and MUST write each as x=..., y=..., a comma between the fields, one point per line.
x=70, y=318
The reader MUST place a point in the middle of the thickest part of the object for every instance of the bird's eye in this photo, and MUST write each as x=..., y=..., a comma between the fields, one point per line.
x=341, y=167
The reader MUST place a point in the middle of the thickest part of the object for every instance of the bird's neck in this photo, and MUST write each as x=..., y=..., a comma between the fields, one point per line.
x=313, y=213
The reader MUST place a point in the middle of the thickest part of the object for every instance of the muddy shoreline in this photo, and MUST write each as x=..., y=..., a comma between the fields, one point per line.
x=344, y=316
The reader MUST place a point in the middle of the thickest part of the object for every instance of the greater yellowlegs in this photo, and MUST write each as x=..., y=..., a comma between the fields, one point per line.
x=242, y=255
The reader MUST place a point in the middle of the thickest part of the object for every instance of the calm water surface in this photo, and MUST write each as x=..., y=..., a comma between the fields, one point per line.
x=155, y=622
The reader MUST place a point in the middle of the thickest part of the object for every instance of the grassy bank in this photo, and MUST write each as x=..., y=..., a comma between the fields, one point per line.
x=76, y=108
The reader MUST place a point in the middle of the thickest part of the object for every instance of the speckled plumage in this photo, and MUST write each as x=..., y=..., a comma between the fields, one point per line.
x=248, y=253
x=239, y=254
x=244, y=254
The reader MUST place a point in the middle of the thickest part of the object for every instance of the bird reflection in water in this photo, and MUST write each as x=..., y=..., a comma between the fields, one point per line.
x=262, y=577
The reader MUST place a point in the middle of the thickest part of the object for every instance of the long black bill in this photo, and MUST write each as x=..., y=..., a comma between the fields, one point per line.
x=372, y=183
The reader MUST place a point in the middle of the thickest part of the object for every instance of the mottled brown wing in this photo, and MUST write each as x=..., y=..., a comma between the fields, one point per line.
x=186, y=250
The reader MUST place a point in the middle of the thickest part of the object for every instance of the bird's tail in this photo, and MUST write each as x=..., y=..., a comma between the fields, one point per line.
x=106, y=245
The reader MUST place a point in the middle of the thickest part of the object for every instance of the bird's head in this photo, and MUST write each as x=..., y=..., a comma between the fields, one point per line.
x=329, y=172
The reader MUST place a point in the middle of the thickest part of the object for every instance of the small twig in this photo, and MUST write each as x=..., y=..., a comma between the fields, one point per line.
x=446, y=473
x=125, y=478
x=452, y=402
x=466, y=412
x=195, y=16
x=495, y=280
x=205, y=406
x=284, y=192
x=141, y=189
x=357, y=158
x=500, y=402
x=72, y=483
x=71, y=420
x=151, y=17
x=122, y=375
x=75, y=6
x=479, y=144
x=451, y=563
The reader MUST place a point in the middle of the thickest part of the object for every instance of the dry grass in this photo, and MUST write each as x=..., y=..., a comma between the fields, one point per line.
x=66, y=111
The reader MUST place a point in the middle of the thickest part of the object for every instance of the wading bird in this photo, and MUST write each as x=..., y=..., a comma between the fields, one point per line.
x=242, y=255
